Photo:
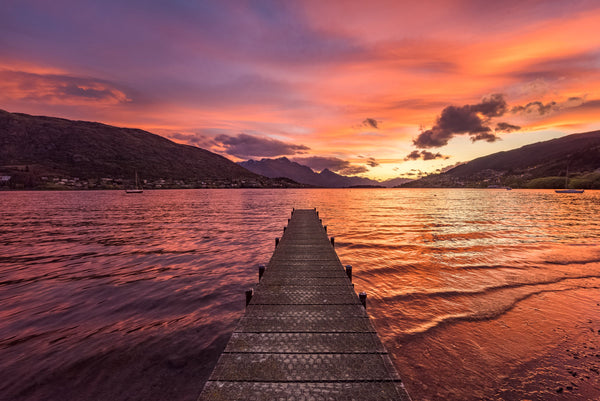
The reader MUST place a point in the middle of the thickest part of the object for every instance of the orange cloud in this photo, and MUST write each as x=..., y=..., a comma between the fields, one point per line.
x=341, y=79
x=58, y=89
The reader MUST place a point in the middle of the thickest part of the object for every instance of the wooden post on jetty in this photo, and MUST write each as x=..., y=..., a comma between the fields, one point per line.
x=305, y=333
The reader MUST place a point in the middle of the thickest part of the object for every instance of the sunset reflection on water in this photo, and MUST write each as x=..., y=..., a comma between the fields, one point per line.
x=476, y=293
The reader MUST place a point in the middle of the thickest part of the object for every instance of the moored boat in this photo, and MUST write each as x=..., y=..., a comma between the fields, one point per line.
x=569, y=191
x=138, y=189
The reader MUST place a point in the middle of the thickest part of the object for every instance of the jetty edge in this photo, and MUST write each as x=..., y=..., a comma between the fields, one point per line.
x=305, y=334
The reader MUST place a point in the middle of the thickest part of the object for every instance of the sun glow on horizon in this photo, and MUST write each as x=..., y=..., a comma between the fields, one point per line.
x=367, y=86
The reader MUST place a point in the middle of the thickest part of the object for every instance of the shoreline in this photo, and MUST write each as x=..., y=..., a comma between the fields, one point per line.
x=281, y=188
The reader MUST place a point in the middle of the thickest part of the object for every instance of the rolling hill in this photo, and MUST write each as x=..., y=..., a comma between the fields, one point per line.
x=539, y=165
x=36, y=146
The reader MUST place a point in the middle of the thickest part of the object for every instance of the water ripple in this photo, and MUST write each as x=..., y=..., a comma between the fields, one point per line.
x=101, y=291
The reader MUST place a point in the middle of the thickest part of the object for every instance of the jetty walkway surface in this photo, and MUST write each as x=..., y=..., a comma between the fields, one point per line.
x=305, y=334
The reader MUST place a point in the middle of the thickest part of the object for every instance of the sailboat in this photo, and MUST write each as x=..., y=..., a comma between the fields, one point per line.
x=568, y=190
x=138, y=189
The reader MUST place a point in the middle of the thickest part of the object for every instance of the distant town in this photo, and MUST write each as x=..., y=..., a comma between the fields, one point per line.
x=24, y=180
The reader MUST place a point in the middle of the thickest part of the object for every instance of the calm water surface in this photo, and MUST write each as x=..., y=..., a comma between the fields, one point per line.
x=477, y=294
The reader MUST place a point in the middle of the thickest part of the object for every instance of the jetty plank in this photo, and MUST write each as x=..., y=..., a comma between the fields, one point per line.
x=305, y=334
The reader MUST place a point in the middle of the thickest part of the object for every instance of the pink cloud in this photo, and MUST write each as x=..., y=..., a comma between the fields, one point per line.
x=305, y=72
x=58, y=89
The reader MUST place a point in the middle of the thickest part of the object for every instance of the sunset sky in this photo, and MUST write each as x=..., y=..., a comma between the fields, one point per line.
x=371, y=88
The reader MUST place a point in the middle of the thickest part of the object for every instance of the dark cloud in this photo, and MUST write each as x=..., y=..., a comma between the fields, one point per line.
x=247, y=146
x=196, y=139
x=432, y=138
x=590, y=104
x=414, y=155
x=370, y=122
x=335, y=164
x=494, y=106
x=485, y=136
x=450, y=167
x=535, y=107
x=461, y=120
x=414, y=173
x=320, y=163
x=353, y=170
x=432, y=156
x=90, y=93
x=372, y=162
x=506, y=127
x=424, y=155
x=473, y=120
x=538, y=108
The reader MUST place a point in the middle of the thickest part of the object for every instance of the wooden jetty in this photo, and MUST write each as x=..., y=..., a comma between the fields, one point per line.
x=305, y=334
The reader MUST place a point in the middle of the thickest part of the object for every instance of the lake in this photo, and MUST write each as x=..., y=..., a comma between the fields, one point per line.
x=476, y=293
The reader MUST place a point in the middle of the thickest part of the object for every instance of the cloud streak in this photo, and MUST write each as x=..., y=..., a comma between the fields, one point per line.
x=535, y=107
x=320, y=163
x=372, y=162
x=247, y=146
x=59, y=89
x=335, y=164
x=338, y=78
x=195, y=139
x=353, y=170
x=506, y=127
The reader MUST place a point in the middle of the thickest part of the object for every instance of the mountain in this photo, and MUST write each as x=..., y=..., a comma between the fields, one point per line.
x=394, y=182
x=283, y=167
x=539, y=165
x=332, y=180
x=36, y=146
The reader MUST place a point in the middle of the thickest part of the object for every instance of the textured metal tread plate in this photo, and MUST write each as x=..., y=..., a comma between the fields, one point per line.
x=293, y=263
x=276, y=289
x=303, y=297
x=307, y=281
x=300, y=257
x=305, y=343
x=301, y=367
x=313, y=391
x=304, y=325
x=306, y=311
x=300, y=274
x=305, y=335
